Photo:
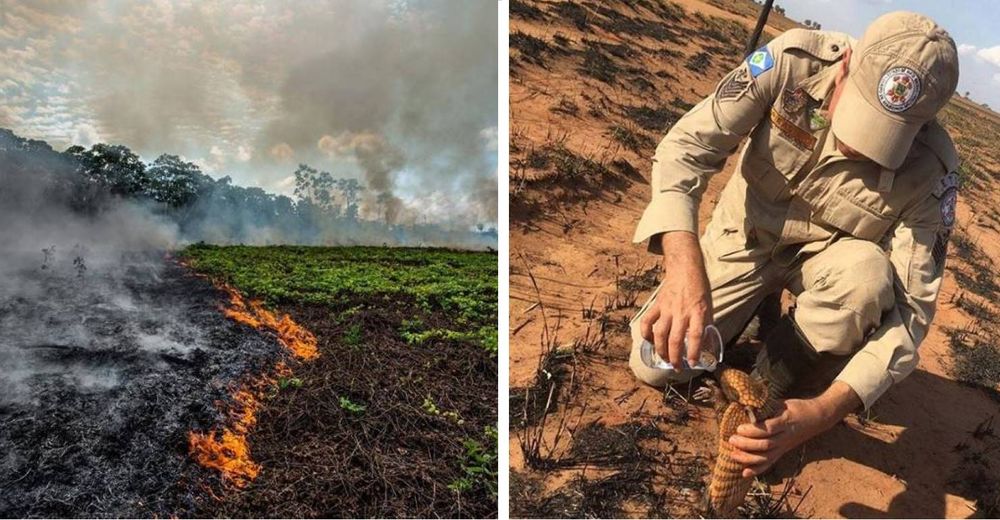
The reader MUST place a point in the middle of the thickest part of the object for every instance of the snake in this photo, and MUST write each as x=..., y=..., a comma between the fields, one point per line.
x=743, y=399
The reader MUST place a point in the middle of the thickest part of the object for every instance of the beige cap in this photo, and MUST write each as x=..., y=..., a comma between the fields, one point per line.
x=902, y=72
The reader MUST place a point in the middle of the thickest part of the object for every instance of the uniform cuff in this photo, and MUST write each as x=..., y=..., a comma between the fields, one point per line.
x=668, y=211
x=867, y=376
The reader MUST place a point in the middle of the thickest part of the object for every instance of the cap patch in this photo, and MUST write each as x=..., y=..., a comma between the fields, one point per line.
x=760, y=62
x=899, y=89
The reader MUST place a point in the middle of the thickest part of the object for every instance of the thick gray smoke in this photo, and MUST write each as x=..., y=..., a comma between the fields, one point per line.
x=60, y=268
x=378, y=161
x=252, y=90
x=422, y=87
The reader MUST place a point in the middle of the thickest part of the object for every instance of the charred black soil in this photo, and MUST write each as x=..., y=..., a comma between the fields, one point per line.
x=104, y=375
x=108, y=369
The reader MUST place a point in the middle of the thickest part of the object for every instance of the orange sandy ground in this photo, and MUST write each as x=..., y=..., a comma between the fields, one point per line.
x=897, y=465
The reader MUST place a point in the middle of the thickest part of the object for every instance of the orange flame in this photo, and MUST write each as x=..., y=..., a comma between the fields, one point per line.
x=296, y=339
x=228, y=450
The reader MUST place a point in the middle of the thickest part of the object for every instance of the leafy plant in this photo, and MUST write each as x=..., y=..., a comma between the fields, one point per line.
x=479, y=464
x=461, y=284
x=351, y=406
x=286, y=382
x=430, y=407
x=353, y=335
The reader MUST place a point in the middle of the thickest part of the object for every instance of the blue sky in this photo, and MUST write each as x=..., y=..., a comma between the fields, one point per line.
x=974, y=24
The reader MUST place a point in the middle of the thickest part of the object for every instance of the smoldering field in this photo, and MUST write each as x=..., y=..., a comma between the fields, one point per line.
x=109, y=354
x=104, y=373
x=110, y=350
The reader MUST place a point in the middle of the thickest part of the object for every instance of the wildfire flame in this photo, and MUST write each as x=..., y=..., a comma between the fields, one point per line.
x=296, y=339
x=228, y=450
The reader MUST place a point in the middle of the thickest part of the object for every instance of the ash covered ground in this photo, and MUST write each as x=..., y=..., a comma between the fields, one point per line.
x=105, y=365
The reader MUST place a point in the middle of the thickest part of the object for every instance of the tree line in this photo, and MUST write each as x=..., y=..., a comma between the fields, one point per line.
x=325, y=209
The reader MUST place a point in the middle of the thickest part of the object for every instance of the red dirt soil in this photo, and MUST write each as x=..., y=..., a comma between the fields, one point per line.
x=571, y=228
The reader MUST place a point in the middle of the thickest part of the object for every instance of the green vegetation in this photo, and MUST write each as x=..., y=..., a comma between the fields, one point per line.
x=431, y=407
x=353, y=335
x=479, y=464
x=459, y=284
x=286, y=382
x=351, y=406
x=485, y=337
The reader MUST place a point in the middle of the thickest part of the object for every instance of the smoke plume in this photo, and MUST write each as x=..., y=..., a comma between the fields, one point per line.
x=252, y=90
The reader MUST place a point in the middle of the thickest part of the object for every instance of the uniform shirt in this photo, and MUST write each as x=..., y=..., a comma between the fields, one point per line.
x=803, y=194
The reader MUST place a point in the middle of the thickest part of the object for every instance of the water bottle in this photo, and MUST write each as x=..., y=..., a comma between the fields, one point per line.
x=708, y=359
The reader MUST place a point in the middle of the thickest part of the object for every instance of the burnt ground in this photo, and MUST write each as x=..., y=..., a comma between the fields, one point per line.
x=378, y=427
x=104, y=373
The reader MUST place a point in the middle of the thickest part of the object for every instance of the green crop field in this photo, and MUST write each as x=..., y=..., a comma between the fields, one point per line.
x=461, y=285
x=400, y=408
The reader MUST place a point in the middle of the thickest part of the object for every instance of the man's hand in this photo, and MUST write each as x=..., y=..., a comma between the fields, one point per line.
x=684, y=304
x=760, y=445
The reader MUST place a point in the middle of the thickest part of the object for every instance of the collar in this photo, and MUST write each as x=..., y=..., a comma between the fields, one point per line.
x=820, y=85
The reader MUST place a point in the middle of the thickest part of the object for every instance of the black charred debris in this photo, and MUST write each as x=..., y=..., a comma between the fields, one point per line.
x=104, y=374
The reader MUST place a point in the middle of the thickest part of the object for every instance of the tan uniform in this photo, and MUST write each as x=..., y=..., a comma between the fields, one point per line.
x=862, y=247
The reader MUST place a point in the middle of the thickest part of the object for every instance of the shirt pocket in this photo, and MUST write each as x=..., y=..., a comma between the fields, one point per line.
x=729, y=239
x=862, y=215
x=771, y=159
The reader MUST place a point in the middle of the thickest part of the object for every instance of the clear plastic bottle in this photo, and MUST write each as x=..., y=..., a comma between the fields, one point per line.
x=708, y=359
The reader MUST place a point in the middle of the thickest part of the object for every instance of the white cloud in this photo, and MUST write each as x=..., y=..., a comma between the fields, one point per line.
x=990, y=54
x=215, y=162
x=285, y=186
x=86, y=135
x=996, y=78
x=965, y=49
x=244, y=153
x=350, y=143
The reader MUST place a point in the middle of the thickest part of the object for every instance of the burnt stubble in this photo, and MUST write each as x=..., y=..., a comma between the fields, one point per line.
x=105, y=372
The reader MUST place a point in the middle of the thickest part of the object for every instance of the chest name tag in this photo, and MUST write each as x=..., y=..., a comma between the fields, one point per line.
x=791, y=131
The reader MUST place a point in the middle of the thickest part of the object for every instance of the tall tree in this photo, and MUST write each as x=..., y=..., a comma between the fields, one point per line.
x=113, y=166
x=173, y=181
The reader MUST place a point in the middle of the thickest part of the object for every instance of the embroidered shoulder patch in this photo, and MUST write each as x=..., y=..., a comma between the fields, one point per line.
x=947, y=194
x=793, y=101
x=760, y=62
x=734, y=85
x=948, y=202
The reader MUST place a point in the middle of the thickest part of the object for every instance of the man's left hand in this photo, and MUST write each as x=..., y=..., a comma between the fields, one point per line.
x=760, y=445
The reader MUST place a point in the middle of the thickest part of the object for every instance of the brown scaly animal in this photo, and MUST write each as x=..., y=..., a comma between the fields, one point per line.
x=742, y=399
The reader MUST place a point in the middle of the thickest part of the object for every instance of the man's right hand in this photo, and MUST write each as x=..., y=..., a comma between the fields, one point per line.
x=684, y=304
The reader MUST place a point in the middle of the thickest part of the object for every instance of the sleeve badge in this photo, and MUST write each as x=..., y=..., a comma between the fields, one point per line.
x=735, y=85
x=760, y=61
